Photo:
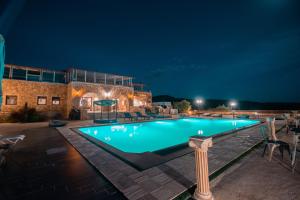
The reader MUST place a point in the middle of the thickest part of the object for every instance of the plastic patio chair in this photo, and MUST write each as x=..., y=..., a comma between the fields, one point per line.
x=271, y=141
x=263, y=132
x=282, y=144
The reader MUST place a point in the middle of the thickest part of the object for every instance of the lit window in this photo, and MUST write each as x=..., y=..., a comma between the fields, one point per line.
x=41, y=100
x=11, y=100
x=55, y=100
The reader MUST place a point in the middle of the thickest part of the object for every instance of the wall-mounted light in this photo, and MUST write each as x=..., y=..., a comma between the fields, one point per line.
x=107, y=94
x=130, y=96
x=78, y=92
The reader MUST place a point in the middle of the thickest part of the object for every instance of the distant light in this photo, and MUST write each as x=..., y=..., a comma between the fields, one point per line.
x=199, y=101
x=232, y=103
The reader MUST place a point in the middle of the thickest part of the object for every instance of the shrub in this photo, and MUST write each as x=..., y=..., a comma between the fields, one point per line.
x=183, y=106
x=26, y=114
x=148, y=110
x=156, y=110
x=222, y=108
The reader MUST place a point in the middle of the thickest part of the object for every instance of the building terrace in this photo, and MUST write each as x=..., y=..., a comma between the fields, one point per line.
x=54, y=91
x=64, y=76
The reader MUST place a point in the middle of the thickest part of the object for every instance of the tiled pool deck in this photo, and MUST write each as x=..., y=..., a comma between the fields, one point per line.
x=45, y=166
x=167, y=180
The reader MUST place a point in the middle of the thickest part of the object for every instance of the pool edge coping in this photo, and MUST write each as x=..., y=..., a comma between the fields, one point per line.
x=124, y=155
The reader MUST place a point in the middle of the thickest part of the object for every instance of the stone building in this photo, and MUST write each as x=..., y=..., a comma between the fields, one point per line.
x=53, y=92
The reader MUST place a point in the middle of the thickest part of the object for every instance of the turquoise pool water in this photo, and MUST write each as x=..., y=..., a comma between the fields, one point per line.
x=157, y=135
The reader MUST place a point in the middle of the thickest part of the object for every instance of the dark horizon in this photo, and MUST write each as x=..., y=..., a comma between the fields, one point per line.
x=228, y=100
x=226, y=50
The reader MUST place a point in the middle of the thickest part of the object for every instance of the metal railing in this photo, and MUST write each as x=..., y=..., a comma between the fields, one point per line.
x=44, y=75
x=34, y=74
x=96, y=77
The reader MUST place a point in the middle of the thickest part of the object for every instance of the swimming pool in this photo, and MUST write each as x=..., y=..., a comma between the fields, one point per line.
x=157, y=135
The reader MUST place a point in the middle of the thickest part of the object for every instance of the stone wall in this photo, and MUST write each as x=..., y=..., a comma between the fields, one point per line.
x=70, y=95
x=78, y=90
x=28, y=91
x=144, y=97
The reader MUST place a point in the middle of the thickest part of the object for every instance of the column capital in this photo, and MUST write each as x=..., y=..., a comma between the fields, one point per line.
x=200, y=143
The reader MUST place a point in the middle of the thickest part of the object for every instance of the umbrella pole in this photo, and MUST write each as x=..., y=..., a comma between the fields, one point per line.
x=116, y=111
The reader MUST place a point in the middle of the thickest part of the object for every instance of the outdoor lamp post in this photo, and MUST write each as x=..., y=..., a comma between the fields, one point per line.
x=232, y=106
x=256, y=115
x=199, y=103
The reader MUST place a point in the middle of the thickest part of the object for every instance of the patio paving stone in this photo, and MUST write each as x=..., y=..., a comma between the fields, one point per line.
x=166, y=180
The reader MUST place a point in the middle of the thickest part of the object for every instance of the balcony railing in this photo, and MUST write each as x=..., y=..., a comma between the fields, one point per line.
x=43, y=75
x=96, y=77
x=34, y=74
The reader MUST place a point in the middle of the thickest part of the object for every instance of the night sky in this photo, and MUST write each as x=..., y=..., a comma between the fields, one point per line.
x=244, y=50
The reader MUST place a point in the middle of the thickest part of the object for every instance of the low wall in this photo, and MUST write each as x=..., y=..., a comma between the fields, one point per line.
x=28, y=92
x=247, y=112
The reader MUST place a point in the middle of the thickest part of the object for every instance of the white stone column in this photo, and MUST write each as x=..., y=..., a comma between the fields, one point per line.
x=201, y=144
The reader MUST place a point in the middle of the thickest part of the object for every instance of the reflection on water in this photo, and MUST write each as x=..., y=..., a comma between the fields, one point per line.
x=189, y=120
x=107, y=138
x=136, y=127
x=119, y=128
x=160, y=122
x=134, y=130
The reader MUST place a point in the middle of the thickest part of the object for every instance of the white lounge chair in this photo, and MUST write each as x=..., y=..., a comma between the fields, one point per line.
x=4, y=140
x=6, y=144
